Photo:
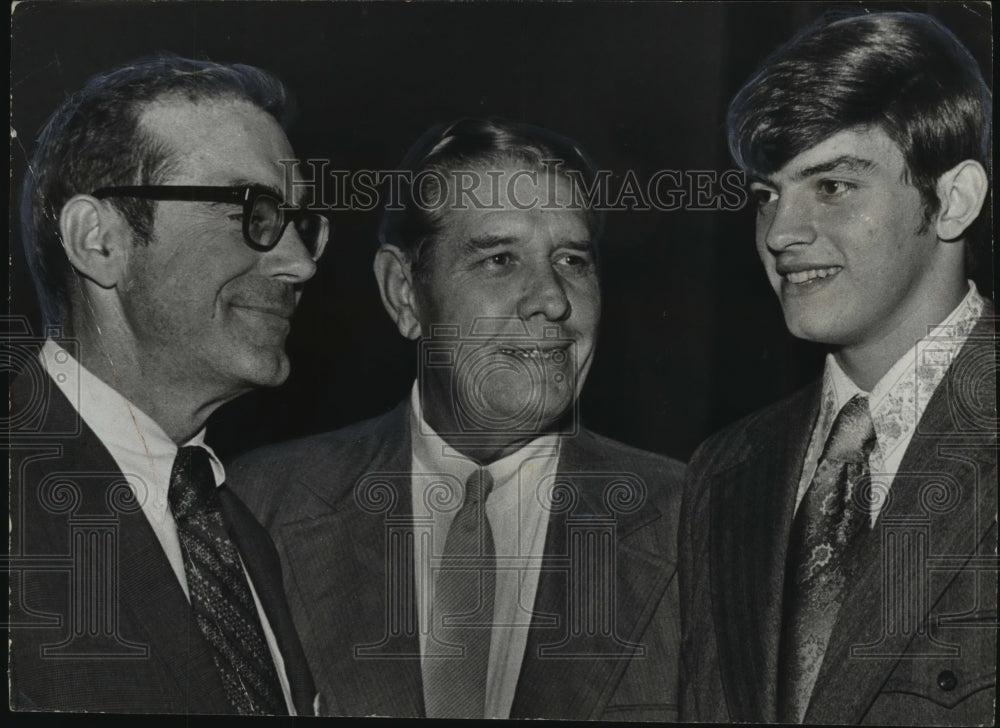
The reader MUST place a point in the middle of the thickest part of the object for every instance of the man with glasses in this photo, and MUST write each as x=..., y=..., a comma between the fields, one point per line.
x=168, y=265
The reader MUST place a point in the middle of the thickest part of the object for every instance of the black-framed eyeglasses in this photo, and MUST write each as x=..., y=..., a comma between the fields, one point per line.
x=264, y=218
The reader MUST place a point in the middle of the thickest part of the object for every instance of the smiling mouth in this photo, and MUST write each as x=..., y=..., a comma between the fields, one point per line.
x=535, y=353
x=802, y=277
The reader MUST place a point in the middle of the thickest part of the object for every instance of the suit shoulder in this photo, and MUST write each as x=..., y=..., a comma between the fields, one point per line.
x=278, y=456
x=662, y=476
x=735, y=442
x=262, y=477
x=636, y=458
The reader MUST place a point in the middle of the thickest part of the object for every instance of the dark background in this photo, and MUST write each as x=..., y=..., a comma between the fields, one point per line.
x=692, y=336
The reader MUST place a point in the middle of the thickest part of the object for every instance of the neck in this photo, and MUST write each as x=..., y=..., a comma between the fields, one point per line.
x=482, y=446
x=869, y=360
x=174, y=404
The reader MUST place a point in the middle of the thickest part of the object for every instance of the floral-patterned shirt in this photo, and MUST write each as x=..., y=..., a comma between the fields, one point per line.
x=897, y=401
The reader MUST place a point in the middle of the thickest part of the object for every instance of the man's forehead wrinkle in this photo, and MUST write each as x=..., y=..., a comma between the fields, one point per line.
x=476, y=242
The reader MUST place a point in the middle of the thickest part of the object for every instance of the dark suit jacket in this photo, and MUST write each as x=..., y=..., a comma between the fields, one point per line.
x=915, y=639
x=339, y=504
x=100, y=622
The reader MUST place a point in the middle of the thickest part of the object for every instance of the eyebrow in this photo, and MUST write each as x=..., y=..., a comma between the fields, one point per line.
x=479, y=243
x=578, y=245
x=243, y=182
x=845, y=162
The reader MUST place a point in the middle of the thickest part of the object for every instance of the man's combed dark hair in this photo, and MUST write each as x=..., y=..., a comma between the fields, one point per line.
x=467, y=145
x=902, y=72
x=94, y=140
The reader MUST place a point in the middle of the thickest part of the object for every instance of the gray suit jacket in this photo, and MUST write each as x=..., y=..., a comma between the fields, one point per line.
x=99, y=621
x=338, y=507
x=915, y=639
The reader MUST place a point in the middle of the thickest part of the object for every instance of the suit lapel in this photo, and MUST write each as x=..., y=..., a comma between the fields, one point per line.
x=261, y=563
x=374, y=665
x=751, y=512
x=152, y=608
x=152, y=596
x=946, y=493
x=554, y=681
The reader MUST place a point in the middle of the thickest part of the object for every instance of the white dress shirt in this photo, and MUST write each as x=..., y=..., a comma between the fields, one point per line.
x=898, y=399
x=145, y=455
x=518, y=512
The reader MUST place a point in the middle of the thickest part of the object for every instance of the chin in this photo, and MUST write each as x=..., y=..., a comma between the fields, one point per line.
x=808, y=327
x=267, y=369
x=537, y=419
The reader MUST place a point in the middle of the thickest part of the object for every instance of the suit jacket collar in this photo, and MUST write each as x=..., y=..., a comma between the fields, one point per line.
x=752, y=505
x=946, y=491
x=260, y=558
x=376, y=666
x=383, y=447
x=150, y=600
x=599, y=499
x=753, y=500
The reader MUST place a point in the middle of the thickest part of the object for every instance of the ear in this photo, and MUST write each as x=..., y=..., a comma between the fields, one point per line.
x=95, y=243
x=961, y=190
x=395, y=283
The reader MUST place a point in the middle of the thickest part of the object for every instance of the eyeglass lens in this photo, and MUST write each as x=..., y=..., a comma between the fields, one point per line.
x=267, y=222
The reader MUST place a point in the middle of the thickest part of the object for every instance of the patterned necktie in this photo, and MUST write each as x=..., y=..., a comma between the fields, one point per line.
x=223, y=606
x=824, y=534
x=463, y=609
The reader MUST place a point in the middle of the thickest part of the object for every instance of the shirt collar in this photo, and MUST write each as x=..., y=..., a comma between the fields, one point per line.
x=138, y=444
x=899, y=398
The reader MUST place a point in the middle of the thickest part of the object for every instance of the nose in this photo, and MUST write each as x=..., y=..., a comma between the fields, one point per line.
x=544, y=294
x=786, y=223
x=289, y=260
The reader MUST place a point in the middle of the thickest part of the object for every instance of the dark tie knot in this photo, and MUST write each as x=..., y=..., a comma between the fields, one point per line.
x=852, y=437
x=192, y=483
x=479, y=485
